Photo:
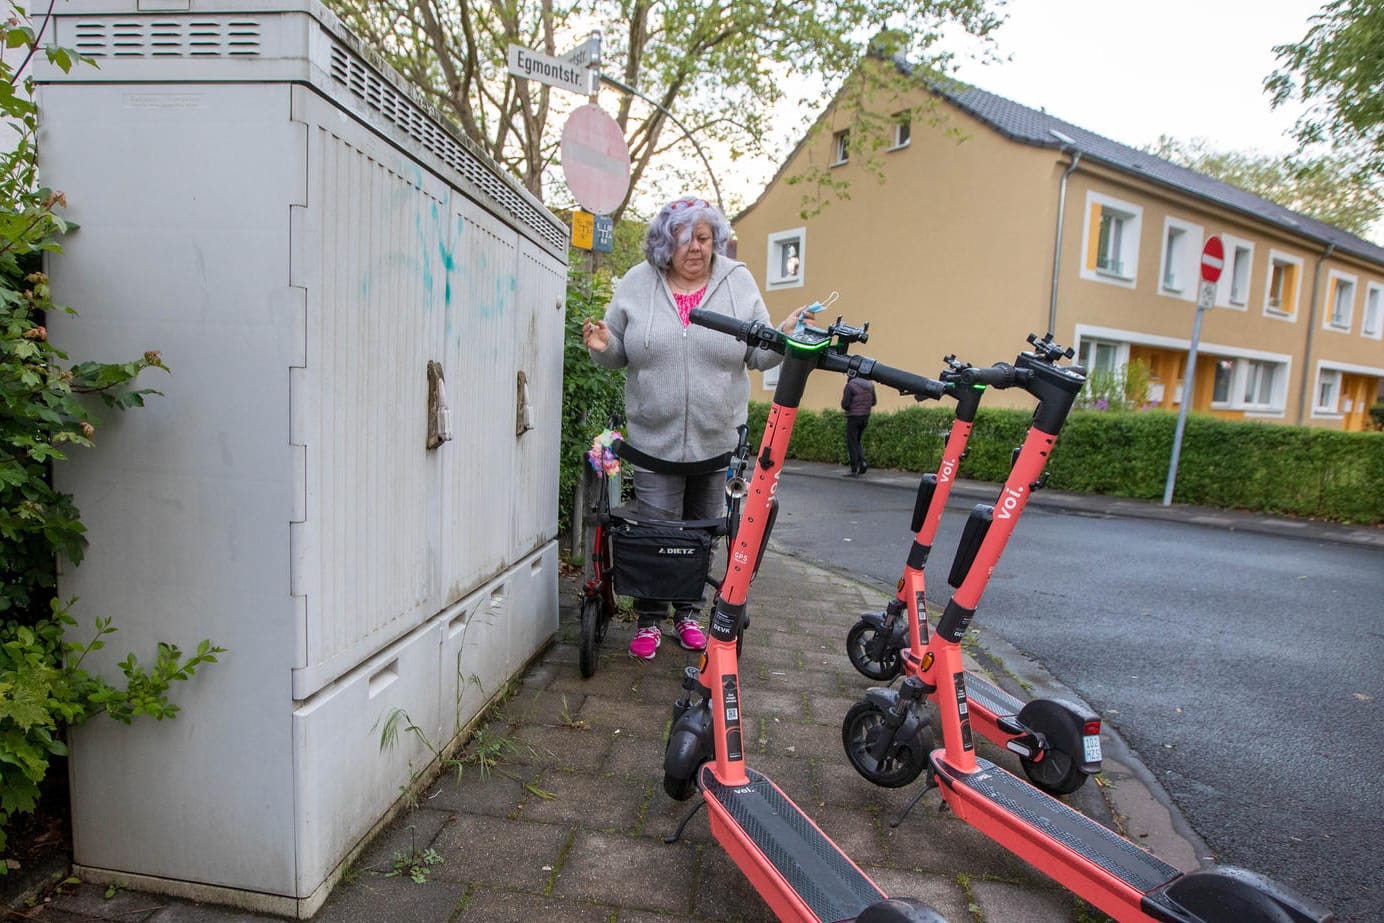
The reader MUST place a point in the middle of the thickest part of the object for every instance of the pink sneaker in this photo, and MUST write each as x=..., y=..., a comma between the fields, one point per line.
x=645, y=643
x=690, y=635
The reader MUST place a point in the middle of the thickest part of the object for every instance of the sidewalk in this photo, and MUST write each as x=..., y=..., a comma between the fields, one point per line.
x=569, y=824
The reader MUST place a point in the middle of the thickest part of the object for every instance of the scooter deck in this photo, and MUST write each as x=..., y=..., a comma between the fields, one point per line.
x=982, y=692
x=774, y=833
x=995, y=792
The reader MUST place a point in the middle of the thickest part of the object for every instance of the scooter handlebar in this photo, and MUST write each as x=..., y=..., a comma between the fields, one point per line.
x=757, y=333
x=920, y=387
x=1001, y=375
x=752, y=332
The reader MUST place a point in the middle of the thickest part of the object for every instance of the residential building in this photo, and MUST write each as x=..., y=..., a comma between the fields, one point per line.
x=1026, y=223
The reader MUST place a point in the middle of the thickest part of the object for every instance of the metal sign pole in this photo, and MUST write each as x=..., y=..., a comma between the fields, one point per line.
x=1212, y=261
x=1189, y=383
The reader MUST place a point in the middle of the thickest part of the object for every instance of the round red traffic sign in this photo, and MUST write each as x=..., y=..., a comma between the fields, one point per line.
x=595, y=160
x=1212, y=259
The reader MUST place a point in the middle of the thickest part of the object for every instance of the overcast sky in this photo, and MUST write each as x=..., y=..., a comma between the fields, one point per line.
x=1134, y=69
x=1130, y=70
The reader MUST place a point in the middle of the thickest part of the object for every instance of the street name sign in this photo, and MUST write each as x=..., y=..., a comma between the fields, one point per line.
x=587, y=54
x=552, y=71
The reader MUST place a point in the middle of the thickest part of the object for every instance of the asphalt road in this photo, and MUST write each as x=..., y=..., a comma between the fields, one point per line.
x=1246, y=671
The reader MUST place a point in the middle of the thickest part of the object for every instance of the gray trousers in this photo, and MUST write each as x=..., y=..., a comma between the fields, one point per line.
x=676, y=496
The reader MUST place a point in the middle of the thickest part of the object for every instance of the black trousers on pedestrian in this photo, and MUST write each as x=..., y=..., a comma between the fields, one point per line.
x=855, y=426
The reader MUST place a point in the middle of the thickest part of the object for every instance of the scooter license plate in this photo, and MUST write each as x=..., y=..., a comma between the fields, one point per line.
x=1090, y=746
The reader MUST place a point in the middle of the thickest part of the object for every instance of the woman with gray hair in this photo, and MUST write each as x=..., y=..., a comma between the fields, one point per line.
x=687, y=389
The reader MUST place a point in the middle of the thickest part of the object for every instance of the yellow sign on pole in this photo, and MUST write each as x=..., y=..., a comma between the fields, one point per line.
x=583, y=229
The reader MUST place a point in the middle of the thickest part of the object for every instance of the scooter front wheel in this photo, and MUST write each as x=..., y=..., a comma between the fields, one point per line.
x=904, y=760
x=682, y=760
x=870, y=653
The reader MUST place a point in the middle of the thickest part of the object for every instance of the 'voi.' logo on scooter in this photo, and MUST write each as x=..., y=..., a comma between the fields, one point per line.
x=944, y=474
x=1009, y=502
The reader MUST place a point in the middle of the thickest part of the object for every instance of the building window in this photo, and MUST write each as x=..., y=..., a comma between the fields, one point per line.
x=1098, y=356
x=1112, y=230
x=1281, y=291
x=1175, y=247
x=1220, y=390
x=903, y=129
x=1111, y=240
x=1373, y=324
x=840, y=147
x=1342, y=302
x=1328, y=391
x=787, y=252
x=1240, y=261
x=1250, y=384
x=1260, y=381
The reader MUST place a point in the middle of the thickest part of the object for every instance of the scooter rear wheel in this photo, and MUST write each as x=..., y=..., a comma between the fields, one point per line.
x=905, y=760
x=1056, y=773
x=1227, y=895
x=882, y=667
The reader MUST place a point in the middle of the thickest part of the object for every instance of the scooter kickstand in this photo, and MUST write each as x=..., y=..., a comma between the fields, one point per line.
x=677, y=834
x=927, y=787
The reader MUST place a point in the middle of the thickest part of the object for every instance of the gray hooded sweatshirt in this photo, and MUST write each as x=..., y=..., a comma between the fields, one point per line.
x=686, y=390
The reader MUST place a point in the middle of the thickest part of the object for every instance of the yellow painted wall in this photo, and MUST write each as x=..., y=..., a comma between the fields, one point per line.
x=939, y=258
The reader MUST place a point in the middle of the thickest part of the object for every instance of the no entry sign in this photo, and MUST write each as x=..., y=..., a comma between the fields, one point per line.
x=595, y=160
x=1212, y=259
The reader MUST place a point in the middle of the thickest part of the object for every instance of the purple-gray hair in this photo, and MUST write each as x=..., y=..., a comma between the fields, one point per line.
x=674, y=223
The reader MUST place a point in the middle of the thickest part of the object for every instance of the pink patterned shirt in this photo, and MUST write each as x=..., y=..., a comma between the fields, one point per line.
x=687, y=302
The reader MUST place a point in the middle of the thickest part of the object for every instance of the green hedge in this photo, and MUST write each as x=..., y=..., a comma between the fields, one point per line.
x=1281, y=470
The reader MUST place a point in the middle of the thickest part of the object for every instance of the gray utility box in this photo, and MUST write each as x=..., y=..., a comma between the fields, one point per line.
x=335, y=278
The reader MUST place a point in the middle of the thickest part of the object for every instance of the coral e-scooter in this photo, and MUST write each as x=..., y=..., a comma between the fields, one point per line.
x=1058, y=742
x=802, y=875
x=1094, y=862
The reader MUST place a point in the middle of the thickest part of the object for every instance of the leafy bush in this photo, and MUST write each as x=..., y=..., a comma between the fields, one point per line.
x=1281, y=470
x=590, y=393
x=43, y=688
x=1124, y=389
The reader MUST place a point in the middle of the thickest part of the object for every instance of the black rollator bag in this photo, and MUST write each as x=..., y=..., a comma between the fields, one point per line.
x=660, y=562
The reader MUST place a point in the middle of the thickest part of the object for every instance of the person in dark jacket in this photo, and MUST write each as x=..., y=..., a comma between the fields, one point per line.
x=857, y=400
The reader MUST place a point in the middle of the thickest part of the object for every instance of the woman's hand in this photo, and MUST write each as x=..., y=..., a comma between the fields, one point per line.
x=595, y=334
x=791, y=320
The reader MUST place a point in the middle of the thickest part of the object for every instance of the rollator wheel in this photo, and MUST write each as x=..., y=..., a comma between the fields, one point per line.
x=1057, y=773
x=905, y=759
x=592, y=629
x=858, y=641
